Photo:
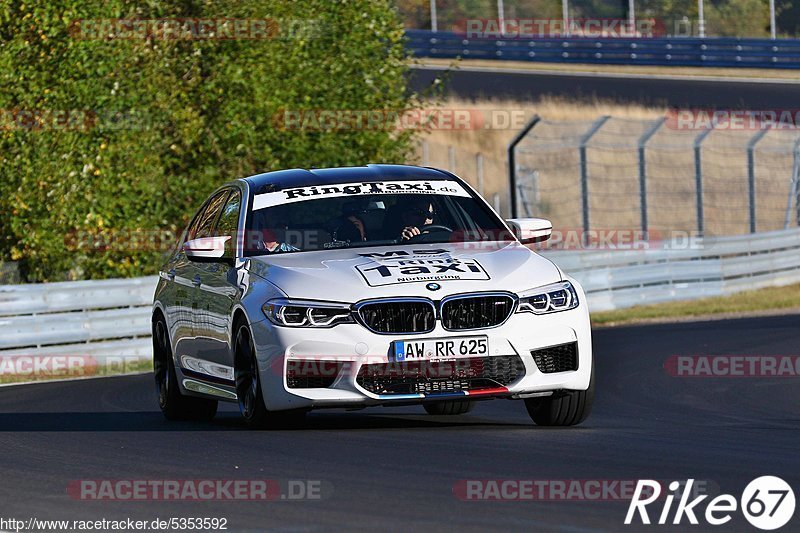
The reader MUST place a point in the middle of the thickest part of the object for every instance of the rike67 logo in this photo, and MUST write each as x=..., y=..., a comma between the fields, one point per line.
x=767, y=503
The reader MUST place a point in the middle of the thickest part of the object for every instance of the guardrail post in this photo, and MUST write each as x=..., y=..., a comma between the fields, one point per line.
x=797, y=188
x=698, y=177
x=512, y=165
x=643, y=172
x=584, y=141
x=751, y=174
x=794, y=187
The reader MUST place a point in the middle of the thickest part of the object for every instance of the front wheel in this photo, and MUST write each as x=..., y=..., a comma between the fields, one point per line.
x=248, y=388
x=567, y=408
x=173, y=404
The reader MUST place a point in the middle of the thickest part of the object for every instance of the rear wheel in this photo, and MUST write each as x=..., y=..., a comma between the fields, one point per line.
x=248, y=387
x=173, y=404
x=455, y=407
x=567, y=408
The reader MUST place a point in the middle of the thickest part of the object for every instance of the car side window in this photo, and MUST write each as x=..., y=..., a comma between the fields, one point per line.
x=211, y=215
x=229, y=222
x=192, y=229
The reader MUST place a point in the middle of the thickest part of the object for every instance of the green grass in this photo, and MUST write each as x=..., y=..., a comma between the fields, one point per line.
x=129, y=367
x=769, y=299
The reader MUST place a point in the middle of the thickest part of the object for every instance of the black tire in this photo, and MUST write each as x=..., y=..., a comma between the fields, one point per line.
x=173, y=404
x=248, y=387
x=455, y=407
x=567, y=408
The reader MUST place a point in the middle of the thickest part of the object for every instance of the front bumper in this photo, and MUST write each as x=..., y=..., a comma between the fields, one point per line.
x=279, y=348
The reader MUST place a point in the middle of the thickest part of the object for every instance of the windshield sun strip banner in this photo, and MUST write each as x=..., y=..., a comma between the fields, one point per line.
x=313, y=192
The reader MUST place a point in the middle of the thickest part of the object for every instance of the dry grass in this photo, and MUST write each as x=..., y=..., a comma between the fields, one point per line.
x=699, y=72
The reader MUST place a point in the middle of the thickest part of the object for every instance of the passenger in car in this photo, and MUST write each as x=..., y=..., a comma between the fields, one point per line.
x=272, y=234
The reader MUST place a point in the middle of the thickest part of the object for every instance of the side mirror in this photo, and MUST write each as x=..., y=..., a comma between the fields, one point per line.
x=530, y=230
x=206, y=249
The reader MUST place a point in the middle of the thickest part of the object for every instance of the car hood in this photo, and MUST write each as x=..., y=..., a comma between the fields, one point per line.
x=350, y=275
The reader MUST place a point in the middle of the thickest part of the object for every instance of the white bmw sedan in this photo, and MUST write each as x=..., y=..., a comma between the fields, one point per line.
x=368, y=286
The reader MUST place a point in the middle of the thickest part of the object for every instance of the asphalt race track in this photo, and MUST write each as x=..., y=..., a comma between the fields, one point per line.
x=652, y=90
x=395, y=469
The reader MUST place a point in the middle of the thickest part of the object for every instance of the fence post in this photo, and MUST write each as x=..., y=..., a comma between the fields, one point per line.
x=698, y=177
x=584, y=141
x=512, y=165
x=751, y=174
x=479, y=167
x=643, y=172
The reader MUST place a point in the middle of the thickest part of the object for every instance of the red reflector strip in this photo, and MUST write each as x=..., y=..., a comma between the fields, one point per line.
x=485, y=392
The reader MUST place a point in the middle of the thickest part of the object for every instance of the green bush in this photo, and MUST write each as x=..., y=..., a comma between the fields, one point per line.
x=135, y=133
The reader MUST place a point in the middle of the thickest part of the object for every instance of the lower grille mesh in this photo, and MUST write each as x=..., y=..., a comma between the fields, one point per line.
x=561, y=358
x=431, y=377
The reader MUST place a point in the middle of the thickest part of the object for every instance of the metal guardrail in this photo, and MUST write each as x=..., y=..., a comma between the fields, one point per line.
x=112, y=317
x=677, y=51
x=615, y=279
x=109, y=317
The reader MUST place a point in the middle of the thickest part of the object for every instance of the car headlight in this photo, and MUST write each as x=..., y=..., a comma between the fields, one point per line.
x=550, y=299
x=305, y=314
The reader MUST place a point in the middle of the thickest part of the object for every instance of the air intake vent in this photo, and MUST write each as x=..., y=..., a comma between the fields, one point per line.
x=437, y=377
x=561, y=358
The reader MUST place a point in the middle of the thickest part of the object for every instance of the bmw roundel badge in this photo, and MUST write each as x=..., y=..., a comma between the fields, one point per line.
x=433, y=286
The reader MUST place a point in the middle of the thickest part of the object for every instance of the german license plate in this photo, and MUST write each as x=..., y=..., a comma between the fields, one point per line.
x=440, y=349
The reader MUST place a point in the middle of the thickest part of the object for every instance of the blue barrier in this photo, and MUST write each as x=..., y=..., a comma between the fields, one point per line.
x=676, y=51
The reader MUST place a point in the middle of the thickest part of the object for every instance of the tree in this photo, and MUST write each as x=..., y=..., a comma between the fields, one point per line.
x=738, y=18
x=126, y=137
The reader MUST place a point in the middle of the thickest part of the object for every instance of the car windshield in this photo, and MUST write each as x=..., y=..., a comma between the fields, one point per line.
x=359, y=215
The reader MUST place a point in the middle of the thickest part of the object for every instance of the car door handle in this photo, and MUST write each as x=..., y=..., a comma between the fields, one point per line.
x=171, y=275
x=197, y=281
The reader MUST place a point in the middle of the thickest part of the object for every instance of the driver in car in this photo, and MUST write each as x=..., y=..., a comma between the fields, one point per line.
x=418, y=213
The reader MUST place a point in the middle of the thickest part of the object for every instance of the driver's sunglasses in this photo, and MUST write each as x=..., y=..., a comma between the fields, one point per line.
x=423, y=212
